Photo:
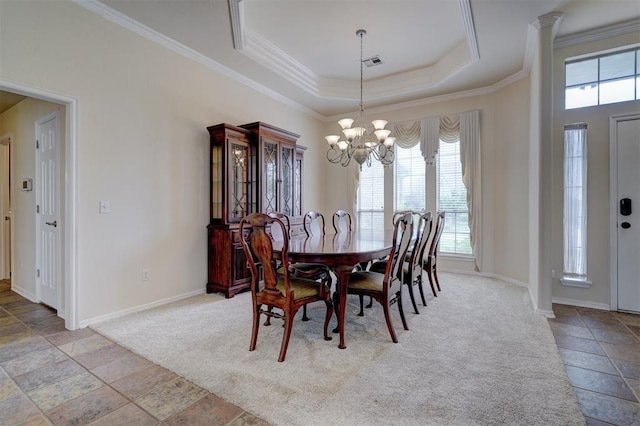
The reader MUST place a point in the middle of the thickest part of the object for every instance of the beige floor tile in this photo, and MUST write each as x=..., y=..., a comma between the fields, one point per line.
x=65, y=390
x=121, y=367
x=170, y=398
x=87, y=408
x=130, y=415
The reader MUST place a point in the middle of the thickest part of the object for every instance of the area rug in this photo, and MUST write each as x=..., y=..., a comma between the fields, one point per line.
x=476, y=355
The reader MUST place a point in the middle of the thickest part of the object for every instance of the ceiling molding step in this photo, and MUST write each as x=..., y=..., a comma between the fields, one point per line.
x=152, y=35
x=487, y=90
x=597, y=34
x=236, y=13
x=410, y=81
x=469, y=29
x=272, y=57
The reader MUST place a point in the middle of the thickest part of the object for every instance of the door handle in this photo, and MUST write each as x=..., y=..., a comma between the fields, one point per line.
x=54, y=223
x=625, y=225
x=7, y=218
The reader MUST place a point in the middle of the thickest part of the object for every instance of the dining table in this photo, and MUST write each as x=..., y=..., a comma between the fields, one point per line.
x=341, y=252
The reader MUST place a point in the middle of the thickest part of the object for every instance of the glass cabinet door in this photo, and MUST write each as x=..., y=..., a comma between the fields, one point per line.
x=238, y=181
x=269, y=177
x=216, y=182
x=297, y=185
x=286, y=191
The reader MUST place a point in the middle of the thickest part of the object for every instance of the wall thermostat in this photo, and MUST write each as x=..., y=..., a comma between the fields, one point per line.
x=27, y=184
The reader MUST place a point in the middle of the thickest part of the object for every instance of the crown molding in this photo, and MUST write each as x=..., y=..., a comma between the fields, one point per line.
x=154, y=36
x=272, y=57
x=236, y=11
x=596, y=34
x=469, y=29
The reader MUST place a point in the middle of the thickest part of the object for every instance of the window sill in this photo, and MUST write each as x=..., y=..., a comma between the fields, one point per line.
x=570, y=282
x=460, y=257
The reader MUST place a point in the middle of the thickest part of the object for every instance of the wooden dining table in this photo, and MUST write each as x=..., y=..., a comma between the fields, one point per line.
x=341, y=252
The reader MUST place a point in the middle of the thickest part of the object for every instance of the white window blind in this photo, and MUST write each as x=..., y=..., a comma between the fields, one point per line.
x=575, y=202
x=452, y=198
x=409, y=179
x=371, y=196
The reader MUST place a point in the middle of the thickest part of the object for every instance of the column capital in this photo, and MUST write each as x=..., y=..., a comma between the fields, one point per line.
x=548, y=20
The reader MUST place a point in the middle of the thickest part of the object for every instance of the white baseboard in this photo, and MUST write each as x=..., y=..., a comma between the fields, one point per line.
x=581, y=303
x=139, y=308
x=24, y=293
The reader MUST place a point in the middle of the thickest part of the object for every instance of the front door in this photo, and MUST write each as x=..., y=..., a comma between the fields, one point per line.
x=628, y=214
x=48, y=210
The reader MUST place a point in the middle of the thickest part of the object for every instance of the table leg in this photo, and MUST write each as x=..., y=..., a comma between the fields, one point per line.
x=343, y=273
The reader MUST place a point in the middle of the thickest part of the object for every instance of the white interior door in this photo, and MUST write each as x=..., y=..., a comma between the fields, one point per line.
x=48, y=209
x=5, y=209
x=628, y=211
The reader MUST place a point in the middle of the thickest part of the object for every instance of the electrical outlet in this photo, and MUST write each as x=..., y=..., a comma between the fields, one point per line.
x=146, y=274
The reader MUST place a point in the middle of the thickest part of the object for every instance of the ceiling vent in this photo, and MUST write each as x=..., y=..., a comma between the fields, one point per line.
x=373, y=61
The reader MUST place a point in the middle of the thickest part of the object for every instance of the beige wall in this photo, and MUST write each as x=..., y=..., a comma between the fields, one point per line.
x=142, y=144
x=20, y=120
x=597, y=119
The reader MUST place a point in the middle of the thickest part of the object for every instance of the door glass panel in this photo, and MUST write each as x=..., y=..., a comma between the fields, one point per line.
x=216, y=182
x=287, y=180
x=298, y=188
x=238, y=182
x=270, y=177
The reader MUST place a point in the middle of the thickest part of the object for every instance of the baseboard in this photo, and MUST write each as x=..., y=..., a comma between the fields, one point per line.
x=581, y=303
x=24, y=293
x=139, y=308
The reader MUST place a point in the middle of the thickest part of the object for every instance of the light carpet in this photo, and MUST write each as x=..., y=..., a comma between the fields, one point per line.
x=476, y=355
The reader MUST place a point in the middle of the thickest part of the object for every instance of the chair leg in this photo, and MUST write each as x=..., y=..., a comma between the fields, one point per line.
x=435, y=275
x=268, y=320
x=401, y=309
x=304, y=313
x=370, y=305
x=254, y=330
x=387, y=317
x=327, y=319
x=424, y=301
x=433, y=289
x=288, y=326
x=361, y=313
x=413, y=298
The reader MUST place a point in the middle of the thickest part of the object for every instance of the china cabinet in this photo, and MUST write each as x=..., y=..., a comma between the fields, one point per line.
x=255, y=167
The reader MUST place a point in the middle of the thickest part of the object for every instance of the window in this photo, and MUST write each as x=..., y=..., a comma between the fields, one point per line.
x=452, y=198
x=371, y=196
x=603, y=79
x=575, y=205
x=410, y=179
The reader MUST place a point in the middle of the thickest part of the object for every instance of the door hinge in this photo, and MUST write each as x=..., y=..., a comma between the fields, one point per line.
x=38, y=208
x=38, y=273
x=37, y=144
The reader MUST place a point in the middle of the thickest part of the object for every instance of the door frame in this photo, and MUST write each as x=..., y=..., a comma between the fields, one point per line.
x=69, y=210
x=4, y=268
x=613, y=204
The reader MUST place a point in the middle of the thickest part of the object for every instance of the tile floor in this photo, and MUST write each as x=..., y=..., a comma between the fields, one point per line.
x=49, y=375
x=601, y=354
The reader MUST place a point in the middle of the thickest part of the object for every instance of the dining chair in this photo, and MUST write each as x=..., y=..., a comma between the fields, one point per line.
x=413, y=265
x=386, y=288
x=284, y=292
x=314, y=225
x=313, y=271
x=380, y=265
x=432, y=257
x=341, y=221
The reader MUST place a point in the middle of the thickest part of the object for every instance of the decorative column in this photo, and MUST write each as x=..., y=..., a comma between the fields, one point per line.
x=541, y=208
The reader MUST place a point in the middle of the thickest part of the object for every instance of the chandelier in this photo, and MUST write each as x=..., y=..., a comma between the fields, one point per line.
x=361, y=143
